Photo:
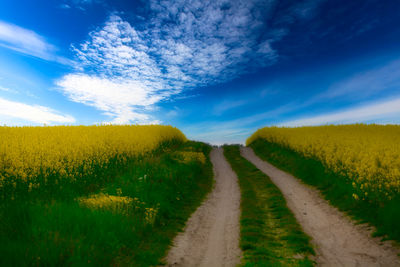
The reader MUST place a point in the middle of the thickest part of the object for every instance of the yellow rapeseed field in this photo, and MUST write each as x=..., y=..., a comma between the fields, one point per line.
x=29, y=156
x=368, y=154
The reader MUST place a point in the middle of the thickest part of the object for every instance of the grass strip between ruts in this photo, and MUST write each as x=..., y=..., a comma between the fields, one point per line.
x=269, y=232
x=335, y=188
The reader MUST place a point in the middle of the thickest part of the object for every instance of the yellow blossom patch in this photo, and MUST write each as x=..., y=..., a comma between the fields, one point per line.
x=120, y=204
x=108, y=202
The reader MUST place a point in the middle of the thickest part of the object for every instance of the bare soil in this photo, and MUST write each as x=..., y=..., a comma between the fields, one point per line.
x=211, y=235
x=337, y=240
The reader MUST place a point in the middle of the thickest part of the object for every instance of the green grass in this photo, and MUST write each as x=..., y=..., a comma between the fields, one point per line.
x=56, y=231
x=335, y=188
x=269, y=232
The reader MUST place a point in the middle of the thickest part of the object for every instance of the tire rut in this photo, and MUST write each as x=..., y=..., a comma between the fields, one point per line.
x=338, y=241
x=211, y=235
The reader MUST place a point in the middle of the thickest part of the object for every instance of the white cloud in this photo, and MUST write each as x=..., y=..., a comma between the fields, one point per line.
x=31, y=113
x=181, y=45
x=28, y=42
x=367, y=113
x=117, y=98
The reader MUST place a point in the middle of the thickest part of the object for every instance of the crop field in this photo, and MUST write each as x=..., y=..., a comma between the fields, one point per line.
x=96, y=195
x=33, y=158
x=119, y=195
x=358, y=166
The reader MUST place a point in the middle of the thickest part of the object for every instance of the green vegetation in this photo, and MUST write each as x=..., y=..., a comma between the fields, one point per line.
x=270, y=234
x=60, y=231
x=336, y=188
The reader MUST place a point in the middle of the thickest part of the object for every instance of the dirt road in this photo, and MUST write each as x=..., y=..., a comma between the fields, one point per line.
x=338, y=241
x=211, y=236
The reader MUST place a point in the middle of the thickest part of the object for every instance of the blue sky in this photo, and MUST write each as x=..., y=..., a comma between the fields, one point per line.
x=218, y=70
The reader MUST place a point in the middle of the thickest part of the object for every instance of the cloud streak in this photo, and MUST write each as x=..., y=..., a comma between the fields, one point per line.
x=370, y=112
x=32, y=113
x=228, y=105
x=368, y=83
x=8, y=90
x=28, y=42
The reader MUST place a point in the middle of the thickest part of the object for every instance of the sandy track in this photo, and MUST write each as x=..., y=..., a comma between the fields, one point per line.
x=211, y=236
x=338, y=241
